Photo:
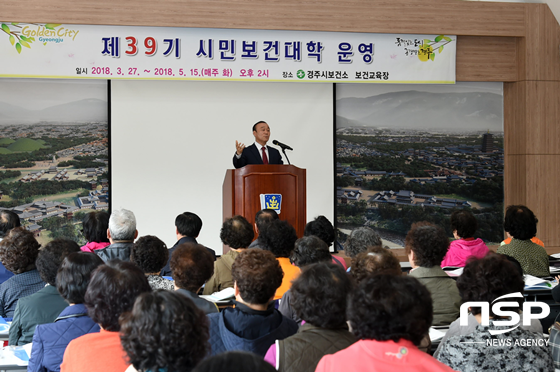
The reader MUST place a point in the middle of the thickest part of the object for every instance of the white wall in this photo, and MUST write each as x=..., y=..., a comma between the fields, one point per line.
x=172, y=142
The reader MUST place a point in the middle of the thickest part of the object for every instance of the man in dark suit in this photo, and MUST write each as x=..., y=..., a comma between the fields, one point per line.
x=258, y=152
x=187, y=228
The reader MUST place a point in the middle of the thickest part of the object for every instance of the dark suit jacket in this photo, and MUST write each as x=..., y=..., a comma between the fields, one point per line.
x=166, y=271
x=252, y=155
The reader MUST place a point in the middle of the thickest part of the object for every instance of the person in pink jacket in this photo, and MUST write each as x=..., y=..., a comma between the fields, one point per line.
x=464, y=225
x=389, y=315
x=94, y=227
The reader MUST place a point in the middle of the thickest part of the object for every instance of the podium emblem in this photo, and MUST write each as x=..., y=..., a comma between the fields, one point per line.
x=271, y=201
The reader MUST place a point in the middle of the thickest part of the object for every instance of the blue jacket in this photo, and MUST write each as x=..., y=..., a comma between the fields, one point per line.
x=224, y=338
x=5, y=274
x=20, y=285
x=50, y=340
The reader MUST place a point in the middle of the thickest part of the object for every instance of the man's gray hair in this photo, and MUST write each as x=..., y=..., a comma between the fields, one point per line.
x=122, y=225
x=359, y=240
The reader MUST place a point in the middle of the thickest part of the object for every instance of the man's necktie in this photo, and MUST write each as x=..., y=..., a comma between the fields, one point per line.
x=265, y=158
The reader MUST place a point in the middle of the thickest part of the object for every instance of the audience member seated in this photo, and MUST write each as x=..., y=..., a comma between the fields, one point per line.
x=50, y=340
x=389, y=315
x=426, y=245
x=521, y=224
x=237, y=233
x=187, y=229
x=308, y=250
x=164, y=332
x=112, y=290
x=192, y=265
x=150, y=255
x=322, y=228
x=486, y=280
x=533, y=239
x=95, y=226
x=121, y=234
x=359, y=240
x=279, y=238
x=556, y=290
x=554, y=344
x=8, y=220
x=254, y=323
x=18, y=252
x=319, y=298
x=456, y=329
x=262, y=217
x=375, y=260
x=45, y=305
x=234, y=361
x=463, y=225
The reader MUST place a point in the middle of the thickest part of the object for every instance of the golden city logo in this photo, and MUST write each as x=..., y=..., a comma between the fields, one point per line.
x=23, y=34
x=49, y=32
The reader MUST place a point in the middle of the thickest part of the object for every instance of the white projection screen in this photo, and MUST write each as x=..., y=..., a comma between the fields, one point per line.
x=172, y=141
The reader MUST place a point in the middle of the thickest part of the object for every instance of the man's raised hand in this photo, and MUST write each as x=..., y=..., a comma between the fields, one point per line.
x=239, y=147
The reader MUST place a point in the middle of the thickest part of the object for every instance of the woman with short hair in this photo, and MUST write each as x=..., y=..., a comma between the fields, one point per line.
x=165, y=331
x=426, y=245
x=463, y=225
x=308, y=250
x=389, y=315
x=18, y=252
x=50, y=340
x=192, y=265
x=375, y=260
x=279, y=237
x=46, y=304
x=237, y=233
x=319, y=298
x=112, y=291
x=150, y=254
x=94, y=227
x=486, y=280
x=520, y=224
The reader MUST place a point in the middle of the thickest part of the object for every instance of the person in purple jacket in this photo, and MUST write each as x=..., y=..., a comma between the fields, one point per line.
x=463, y=225
x=50, y=340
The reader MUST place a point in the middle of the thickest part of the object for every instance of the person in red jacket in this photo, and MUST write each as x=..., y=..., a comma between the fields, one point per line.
x=389, y=315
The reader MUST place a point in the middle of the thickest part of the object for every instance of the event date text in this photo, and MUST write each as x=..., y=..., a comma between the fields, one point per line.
x=170, y=72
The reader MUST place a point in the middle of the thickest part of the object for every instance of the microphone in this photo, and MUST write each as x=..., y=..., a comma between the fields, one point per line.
x=284, y=147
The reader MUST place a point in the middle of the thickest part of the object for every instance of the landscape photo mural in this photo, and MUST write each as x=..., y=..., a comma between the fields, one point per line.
x=54, y=153
x=409, y=153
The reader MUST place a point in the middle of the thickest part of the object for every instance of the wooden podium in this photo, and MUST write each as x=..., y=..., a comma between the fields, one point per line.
x=243, y=188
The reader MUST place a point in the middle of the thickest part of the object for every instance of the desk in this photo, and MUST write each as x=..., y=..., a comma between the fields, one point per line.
x=405, y=266
x=436, y=336
x=10, y=368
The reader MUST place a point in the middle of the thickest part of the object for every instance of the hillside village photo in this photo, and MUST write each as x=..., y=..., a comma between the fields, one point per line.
x=409, y=153
x=53, y=154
